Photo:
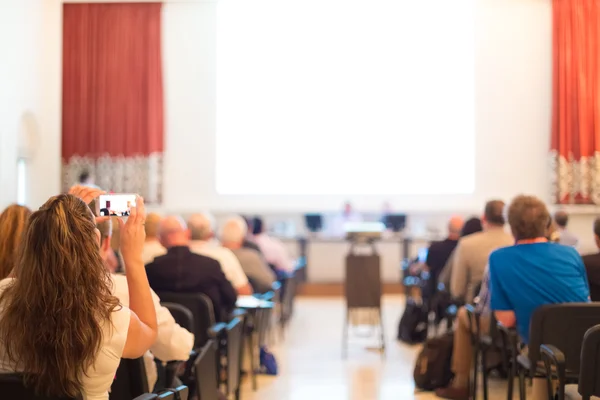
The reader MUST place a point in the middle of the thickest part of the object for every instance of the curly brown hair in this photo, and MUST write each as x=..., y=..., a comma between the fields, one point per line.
x=528, y=217
x=13, y=222
x=53, y=312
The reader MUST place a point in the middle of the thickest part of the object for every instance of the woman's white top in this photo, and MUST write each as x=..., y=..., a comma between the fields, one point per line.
x=100, y=376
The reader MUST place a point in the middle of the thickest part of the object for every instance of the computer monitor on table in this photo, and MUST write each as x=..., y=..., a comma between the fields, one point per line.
x=395, y=222
x=314, y=222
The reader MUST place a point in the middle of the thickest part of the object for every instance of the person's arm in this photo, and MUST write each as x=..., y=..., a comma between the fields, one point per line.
x=499, y=301
x=143, y=327
x=460, y=273
x=173, y=342
x=262, y=275
x=283, y=260
x=235, y=273
x=228, y=292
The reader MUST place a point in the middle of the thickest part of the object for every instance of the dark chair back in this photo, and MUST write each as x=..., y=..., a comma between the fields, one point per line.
x=130, y=381
x=205, y=367
x=182, y=315
x=563, y=326
x=202, y=311
x=235, y=348
x=13, y=387
x=589, y=372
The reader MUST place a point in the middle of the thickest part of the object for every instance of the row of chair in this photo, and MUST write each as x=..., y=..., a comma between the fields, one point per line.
x=564, y=348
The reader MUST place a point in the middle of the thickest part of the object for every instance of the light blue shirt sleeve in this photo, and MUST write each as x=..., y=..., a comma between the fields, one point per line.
x=499, y=299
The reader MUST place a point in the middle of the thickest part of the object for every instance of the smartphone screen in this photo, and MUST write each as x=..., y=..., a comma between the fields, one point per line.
x=115, y=205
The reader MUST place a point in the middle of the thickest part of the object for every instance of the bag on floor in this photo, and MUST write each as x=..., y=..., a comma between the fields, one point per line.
x=268, y=363
x=414, y=323
x=433, y=367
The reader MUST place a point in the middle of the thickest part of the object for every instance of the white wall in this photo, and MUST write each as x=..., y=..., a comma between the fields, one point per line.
x=20, y=41
x=513, y=99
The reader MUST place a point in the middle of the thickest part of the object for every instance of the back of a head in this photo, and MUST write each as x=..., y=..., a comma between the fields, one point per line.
x=172, y=232
x=471, y=226
x=597, y=227
x=494, y=213
x=13, y=222
x=84, y=176
x=55, y=308
x=528, y=217
x=454, y=226
x=233, y=231
x=151, y=225
x=201, y=226
x=561, y=218
x=257, y=226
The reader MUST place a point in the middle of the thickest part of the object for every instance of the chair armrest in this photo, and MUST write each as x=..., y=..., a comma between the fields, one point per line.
x=553, y=357
x=147, y=396
x=474, y=319
x=216, y=330
x=238, y=313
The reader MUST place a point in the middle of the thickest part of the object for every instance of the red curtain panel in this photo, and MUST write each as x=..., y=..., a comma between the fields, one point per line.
x=575, y=148
x=112, y=99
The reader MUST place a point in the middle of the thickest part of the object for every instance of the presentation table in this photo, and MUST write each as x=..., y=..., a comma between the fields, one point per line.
x=326, y=256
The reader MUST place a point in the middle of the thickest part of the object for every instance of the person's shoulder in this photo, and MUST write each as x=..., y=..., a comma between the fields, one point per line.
x=472, y=240
x=502, y=252
x=204, y=260
x=565, y=251
x=592, y=259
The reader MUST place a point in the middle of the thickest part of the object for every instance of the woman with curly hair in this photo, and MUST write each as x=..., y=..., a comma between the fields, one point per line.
x=59, y=323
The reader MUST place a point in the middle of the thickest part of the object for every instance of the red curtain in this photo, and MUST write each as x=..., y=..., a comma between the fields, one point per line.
x=575, y=149
x=112, y=104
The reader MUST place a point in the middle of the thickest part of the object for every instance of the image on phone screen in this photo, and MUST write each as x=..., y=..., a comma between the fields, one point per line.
x=115, y=205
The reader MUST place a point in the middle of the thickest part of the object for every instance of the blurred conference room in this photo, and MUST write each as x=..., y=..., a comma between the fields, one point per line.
x=294, y=198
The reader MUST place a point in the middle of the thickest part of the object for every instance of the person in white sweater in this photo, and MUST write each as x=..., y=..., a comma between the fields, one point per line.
x=173, y=343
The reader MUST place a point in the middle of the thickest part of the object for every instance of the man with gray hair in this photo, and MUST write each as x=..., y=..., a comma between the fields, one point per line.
x=233, y=234
x=203, y=242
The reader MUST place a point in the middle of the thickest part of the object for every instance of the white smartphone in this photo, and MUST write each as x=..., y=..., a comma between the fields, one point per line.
x=115, y=205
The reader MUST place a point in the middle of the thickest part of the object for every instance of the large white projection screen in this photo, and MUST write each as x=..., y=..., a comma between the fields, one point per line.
x=336, y=97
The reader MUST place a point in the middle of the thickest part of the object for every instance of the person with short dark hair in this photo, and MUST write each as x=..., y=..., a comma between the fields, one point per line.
x=533, y=272
x=592, y=265
x=182, y=271
x=87, y=179
x=273, y=249
x=471, y=254
x=561, y=218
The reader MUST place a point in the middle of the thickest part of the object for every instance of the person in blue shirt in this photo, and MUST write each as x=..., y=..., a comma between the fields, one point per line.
x=533, y=272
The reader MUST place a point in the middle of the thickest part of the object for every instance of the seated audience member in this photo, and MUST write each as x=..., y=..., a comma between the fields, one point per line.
x=553, y=235
x=565, y=237
x=462, y=352
x=533, y=272
x=473, y=251
x=440, y=251
x=592, y=265
x=203, y=242
x=173, y=343
x=233, y=233
x=87, y=179
x=472, y=225
x=13, y=222
x=273, y=250
x=59, y=281
x=249, y=242
x=182, y=271
x=152, y=247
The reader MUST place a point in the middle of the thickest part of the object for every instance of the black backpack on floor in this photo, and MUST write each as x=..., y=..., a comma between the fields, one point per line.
x=433, y=366
x=414, y=323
